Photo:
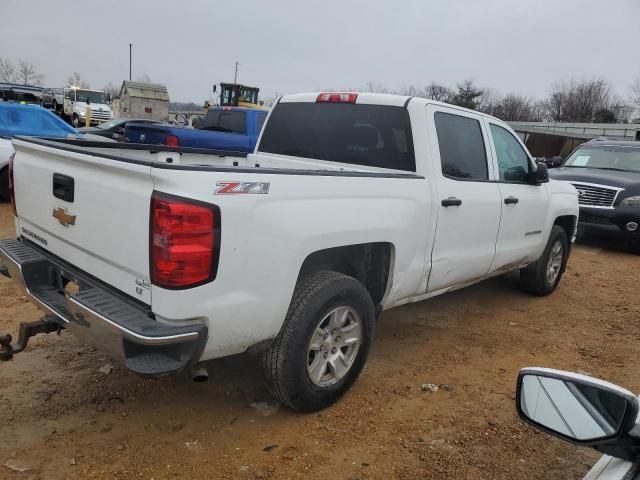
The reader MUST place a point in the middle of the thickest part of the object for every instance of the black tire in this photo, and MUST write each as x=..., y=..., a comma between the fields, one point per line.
x=55, y=107
x=533, y=278
x=285, y=362
x=4, y=184
x=634, y=246
x=75, y=121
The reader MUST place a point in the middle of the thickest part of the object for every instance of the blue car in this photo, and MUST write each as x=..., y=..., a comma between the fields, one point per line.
x=26, y=120
x=223, y=128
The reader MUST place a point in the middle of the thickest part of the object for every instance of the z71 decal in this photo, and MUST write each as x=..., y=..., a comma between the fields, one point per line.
x=234, y=188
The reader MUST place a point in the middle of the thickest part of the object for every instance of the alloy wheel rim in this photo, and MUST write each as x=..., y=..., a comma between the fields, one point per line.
x=554, y=265
x=334, y=346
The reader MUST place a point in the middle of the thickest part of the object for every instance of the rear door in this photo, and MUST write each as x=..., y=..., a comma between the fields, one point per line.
x=91, y=211
x=468, y=198
x=523, y=231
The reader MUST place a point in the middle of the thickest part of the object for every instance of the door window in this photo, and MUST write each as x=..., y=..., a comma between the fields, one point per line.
x=462, y=149
x=513, y=161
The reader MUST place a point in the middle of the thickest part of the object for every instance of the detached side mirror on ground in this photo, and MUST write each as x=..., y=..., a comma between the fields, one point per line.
x=579, y=409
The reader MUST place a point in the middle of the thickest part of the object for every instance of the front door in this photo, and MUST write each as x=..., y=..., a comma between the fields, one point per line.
x=468, y=198
x=523, y=230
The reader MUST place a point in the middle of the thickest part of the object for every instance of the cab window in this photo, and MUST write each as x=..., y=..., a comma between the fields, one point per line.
x=513, y=161
x=462, y=150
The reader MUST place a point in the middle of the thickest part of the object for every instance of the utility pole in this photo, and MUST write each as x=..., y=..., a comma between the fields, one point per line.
x=129, y=62
x=235, y=76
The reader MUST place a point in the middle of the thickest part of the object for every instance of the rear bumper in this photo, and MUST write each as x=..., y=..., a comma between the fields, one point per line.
x=109, y=320
x=611, y=221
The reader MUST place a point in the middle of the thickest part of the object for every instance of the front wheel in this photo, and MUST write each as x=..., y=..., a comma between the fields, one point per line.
x=323, y=343
x=55, y=107
x=75, y=121
x=542, y=277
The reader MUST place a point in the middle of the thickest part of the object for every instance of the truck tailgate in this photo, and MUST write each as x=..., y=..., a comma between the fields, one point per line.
x=92, y=212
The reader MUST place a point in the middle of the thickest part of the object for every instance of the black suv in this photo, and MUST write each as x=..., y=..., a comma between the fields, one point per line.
x=606, y=174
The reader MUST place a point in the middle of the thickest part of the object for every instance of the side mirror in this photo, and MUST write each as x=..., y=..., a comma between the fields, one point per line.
x=215, y=87
x=108, y=98
x=557, y=161
x=576, y=408
x=541, y=175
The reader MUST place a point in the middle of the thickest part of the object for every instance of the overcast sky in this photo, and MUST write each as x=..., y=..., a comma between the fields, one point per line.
x=287, y=46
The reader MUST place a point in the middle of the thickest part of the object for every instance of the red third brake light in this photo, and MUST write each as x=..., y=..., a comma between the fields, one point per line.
x=12, y=194
x=184, y=242
x=171, y=141
x=337, y=98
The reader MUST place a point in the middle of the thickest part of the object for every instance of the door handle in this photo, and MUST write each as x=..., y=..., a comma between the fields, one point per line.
x=63, y=187
x=451, y=202
x=511, y=200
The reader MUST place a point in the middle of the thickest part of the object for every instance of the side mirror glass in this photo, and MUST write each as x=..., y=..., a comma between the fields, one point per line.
x=541, y=175
x=215, y=87
x=557, y=161
x=574, y=407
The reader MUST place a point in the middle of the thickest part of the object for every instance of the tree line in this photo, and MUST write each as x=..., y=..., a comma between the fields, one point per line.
x=587, y=100
x=584, y=100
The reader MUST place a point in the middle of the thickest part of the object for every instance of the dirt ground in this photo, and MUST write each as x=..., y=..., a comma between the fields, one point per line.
x=63, y=416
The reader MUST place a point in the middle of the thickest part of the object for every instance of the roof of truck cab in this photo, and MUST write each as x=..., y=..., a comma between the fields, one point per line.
x=367, y=98
x=363, y=98
x=237, y=109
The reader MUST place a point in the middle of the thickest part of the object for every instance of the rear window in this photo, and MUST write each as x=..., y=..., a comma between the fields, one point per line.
x=225, y=121
x=370, y=135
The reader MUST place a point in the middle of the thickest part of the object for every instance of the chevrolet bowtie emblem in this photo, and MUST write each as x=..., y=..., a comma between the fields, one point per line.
x=63, y=217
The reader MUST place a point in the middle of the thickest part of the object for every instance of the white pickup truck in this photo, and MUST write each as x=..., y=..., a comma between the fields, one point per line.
x=351, y=204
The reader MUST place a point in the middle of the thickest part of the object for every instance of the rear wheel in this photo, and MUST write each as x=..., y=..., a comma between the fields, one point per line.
x=55, y=106
x=323, y=343
x=542, y=277
x=4, y=184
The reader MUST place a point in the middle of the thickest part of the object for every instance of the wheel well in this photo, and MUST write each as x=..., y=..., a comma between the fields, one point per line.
x=568, y=222
x=370, y=263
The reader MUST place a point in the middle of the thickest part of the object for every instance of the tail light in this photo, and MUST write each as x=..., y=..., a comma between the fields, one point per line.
x=171, y=141
x=12, y=195
x=337, y=98
x=185, y=242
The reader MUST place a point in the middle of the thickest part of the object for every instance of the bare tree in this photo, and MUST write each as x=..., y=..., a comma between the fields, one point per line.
x=375, y=87
x=26, y=74
x=635, y=93
x=580, y=101
x=111, y=89
x=144, y=78
x=77, y=81
x=488, y=101
x=513, y=108
x=439, y=93
x=7, y=70
x=409, y=90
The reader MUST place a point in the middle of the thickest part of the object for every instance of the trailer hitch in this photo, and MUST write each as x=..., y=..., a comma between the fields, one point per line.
x=47, y=324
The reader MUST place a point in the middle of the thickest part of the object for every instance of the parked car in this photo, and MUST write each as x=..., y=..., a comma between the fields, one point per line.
x=18, y=93
x=607, y=176
x=223, y=128
x=584, y=411
x=115, y=128
x=29, y=120
x=17, y=119
x=52, y=98
x=353, y=203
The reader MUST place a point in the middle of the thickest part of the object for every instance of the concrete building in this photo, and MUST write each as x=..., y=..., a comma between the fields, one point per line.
x=141, y=100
